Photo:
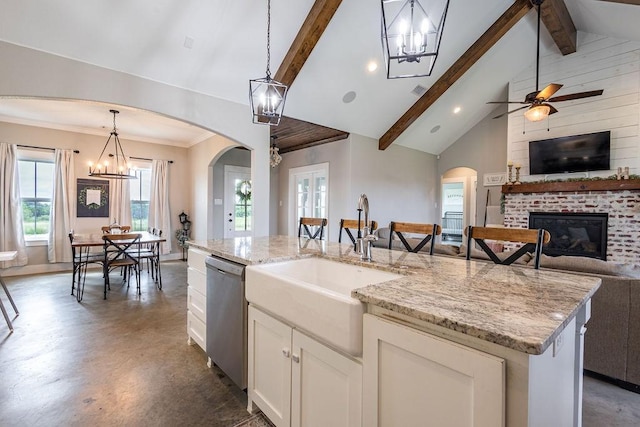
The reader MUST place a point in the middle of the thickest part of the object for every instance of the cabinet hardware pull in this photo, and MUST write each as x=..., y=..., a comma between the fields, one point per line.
x=286, y=352
x=295, y=358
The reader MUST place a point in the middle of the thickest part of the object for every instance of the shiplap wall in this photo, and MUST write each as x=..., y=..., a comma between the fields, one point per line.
x=600, y=63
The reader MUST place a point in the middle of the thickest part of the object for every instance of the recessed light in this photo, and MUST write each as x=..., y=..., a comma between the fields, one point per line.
x=372, y=66
x=349, y=97
x=457, y=110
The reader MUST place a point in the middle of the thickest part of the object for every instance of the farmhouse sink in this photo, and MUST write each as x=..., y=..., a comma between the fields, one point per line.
x=314, y=294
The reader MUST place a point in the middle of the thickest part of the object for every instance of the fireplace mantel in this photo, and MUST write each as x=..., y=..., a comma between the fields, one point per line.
x=572, y=186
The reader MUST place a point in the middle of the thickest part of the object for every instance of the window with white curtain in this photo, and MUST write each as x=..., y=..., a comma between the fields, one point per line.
x=140, y=191
x=35, y=169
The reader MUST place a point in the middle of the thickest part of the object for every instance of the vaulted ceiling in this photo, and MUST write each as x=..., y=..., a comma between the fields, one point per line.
x=215, y=47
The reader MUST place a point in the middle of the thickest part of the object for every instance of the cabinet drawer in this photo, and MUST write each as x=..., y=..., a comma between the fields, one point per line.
x=197, y=280
x=197, y=330
x=197, y=304
x=196, y=259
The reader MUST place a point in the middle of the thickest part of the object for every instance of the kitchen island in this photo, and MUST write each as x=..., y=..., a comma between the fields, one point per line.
x=529, y=322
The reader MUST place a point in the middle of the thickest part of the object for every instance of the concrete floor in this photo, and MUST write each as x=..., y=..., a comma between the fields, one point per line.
x=125, y=361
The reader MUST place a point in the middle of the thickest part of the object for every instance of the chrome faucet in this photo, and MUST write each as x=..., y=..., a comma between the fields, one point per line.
x=363, y=242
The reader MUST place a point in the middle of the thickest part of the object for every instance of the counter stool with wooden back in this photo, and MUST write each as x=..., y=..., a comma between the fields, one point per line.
x=430, y=231
x=306, y=222
x=352, y=224
x=532, y=238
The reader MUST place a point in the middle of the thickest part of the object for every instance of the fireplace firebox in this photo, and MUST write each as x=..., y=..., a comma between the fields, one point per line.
x=573, y=234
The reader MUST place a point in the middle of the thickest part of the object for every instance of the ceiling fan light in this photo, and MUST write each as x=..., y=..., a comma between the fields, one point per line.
x=537, y=113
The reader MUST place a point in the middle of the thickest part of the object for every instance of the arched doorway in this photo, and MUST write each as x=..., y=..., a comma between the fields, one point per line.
x=458, y=203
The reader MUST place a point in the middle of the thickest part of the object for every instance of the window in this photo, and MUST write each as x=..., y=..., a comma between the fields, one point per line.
x=140, y=191
x=310, y=191
x=36, y=191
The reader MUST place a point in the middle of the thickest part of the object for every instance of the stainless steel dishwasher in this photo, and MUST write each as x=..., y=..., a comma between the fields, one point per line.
x=227, y=318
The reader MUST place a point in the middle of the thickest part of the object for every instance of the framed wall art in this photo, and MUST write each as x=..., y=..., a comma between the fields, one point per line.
x=93, y=198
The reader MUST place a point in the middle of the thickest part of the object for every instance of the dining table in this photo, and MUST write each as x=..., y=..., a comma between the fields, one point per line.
x=84, y=242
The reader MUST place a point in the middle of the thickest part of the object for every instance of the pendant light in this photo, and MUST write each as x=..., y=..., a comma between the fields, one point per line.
x=266, y=95
x=119, y=168
x=411, y=35
x=274, y=156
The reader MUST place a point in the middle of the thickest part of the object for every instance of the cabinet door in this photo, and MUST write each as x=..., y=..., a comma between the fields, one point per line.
x=326, y=387
x=413, y=378
x=269, y=370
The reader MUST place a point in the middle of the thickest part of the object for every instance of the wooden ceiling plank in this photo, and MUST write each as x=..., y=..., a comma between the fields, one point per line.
x=314, y=25
x=508, y=19
x=556, y=18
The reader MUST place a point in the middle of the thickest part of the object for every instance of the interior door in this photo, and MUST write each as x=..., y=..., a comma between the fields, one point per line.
x=238, y=210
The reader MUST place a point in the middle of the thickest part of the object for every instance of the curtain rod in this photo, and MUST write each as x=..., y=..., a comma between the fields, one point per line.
x=141, y=158
x=43, y=148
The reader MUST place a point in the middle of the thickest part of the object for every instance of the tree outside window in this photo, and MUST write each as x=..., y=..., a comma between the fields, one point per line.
x=140, y=190
x=36, y=191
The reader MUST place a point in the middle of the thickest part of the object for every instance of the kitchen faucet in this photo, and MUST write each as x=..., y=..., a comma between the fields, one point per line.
x=363, y=242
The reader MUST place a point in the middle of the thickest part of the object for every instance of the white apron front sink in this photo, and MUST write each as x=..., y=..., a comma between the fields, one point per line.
x=314, y=294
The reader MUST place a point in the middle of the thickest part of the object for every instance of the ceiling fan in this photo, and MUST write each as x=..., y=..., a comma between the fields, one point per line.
x=537, y=103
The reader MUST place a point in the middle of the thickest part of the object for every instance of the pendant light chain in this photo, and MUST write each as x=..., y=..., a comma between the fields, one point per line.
x=268, y=38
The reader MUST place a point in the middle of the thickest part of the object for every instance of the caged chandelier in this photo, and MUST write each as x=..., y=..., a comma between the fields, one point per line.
x=121, y=168
x=411, y=36
x=266, y=95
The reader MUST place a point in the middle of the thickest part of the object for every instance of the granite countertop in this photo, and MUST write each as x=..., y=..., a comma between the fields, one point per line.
x=516, y=307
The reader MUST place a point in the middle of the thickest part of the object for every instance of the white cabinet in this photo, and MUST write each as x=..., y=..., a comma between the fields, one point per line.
x=413, y=378
x=297, y=381
x=197, y=298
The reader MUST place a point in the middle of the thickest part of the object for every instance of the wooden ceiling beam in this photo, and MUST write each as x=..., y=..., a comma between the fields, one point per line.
x=314, y=25
x=518, y=9
x=556, y=18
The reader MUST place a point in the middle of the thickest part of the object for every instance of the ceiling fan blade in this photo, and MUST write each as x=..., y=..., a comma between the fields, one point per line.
x=578, y=95
x=548, y=91
x=507, y=102
x=512, y=111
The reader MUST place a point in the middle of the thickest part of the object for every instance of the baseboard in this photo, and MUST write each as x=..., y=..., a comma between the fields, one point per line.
x=61, y=267
x=620, y=383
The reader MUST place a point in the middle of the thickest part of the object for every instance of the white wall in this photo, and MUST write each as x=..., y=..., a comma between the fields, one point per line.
x=27, y=72
x=600, y=63
x=399, y=182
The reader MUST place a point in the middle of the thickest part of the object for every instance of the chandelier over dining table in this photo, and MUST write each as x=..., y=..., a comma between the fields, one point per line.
x=112, y=166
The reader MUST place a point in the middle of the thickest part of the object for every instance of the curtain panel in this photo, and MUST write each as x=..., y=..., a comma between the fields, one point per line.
x=63, y=207
x=11, y=231
x=120, y=202
x=159, y=214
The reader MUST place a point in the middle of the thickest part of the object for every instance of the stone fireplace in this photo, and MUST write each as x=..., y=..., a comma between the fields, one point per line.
x=618, y=201
x=574, y=234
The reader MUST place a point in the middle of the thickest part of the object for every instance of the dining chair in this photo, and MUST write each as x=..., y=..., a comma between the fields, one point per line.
x=121, y=250
x=533, y=240
x=151, y=254
x=110, y=228
x=429, y=231
x=306, y=222
x=81, y=258
x=352, y=224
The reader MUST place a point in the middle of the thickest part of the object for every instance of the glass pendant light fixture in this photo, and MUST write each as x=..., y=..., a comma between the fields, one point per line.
x=119, y=168
x=274, y=156
x=537, y=112
x=266, y=95
x=411, y=36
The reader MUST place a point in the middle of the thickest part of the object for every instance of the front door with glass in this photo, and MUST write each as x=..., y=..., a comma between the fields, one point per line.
x=238, y=204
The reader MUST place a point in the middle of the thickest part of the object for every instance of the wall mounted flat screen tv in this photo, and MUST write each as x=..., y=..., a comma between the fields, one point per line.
x=577, y=153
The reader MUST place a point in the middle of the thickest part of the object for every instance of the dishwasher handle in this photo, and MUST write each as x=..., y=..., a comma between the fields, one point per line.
x=224, y=266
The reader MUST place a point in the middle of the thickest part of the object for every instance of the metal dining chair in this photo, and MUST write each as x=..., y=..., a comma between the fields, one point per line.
x=81, y=258
x=121, y=250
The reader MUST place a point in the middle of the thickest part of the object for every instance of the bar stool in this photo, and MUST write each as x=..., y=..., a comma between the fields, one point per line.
x=306, y=222
x=352, y=224
x=8, y=256
x=430, y=231
x=532, y=238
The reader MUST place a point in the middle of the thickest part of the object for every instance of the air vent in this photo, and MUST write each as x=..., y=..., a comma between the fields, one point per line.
x=419, y=90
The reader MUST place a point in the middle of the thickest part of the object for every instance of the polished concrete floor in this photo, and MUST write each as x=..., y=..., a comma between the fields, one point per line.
x=125, y=361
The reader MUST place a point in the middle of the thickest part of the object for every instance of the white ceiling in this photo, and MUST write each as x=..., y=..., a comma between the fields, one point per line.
x=148, y=38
